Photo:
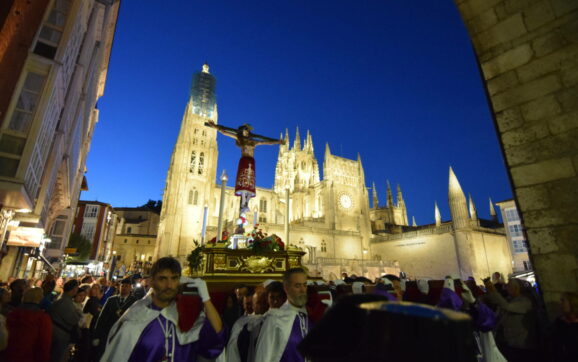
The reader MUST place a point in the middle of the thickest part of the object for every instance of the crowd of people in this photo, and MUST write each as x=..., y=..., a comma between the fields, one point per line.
x=169, y=317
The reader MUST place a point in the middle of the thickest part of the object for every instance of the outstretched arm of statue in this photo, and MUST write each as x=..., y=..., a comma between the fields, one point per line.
x=262, y=140
x=275, y=142
x=226, y=131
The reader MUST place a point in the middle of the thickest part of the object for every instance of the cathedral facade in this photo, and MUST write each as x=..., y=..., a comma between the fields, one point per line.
x=330, y=217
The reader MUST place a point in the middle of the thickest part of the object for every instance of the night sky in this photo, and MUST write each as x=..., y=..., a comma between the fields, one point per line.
x=395, y=81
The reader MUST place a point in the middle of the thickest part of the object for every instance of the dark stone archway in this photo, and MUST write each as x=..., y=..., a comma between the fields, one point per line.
x=528, y=54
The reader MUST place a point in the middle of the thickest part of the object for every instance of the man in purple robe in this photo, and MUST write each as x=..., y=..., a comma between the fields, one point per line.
x=284, y=328
x=150, y=329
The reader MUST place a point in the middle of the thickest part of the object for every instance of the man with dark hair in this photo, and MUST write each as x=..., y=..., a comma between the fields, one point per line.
x=138, y=289
x=17, y=288
x=154, y=328
x=284, y=328
x=114, y=307
x=234, y=312
x=276, y=295
x=65, y=317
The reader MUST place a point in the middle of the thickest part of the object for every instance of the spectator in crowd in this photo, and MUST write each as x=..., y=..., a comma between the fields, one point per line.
x=137, y=288
x=5, y=298
x=499, y=284
x=152, y=328
x=80, y=296
x=49, y=294
x=65, y=317
x=114, y=307
x=30, y=330
x=17, y=288
x=87, y=279
x=565, y=330
x=516, y=329
x=111, y=290
x=3, y=333
x=91, y=311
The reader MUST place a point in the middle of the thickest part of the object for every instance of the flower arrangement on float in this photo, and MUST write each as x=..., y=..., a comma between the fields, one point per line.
x=224, y=240
x=260, y=242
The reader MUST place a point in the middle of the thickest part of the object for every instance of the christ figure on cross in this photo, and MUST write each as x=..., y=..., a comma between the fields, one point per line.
x=247, y=141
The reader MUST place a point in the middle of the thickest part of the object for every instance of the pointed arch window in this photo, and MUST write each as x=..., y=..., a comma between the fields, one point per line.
x=263, y=205
x=323, y=246
x=195, y=141
x=201, y=163
x=193, y=197
x=193, y=161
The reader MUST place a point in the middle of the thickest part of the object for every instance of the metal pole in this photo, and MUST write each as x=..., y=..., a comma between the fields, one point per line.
x=287, y=217
x=221, y=206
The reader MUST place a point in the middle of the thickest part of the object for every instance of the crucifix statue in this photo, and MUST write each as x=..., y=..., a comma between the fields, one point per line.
x=247, y=141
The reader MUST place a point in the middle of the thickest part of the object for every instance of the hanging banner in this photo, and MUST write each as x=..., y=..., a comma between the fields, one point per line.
x=26, y=237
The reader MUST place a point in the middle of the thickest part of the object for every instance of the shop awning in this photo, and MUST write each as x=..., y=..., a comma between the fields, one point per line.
x=25, y=237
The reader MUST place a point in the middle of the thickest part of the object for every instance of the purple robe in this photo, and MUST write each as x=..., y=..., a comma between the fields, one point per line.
x=484, y=318
x=449, y=299
x=390, y=297
x=151, y=344
x=291, y=354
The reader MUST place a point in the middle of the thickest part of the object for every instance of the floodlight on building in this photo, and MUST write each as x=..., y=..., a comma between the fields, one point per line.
x=23, y=211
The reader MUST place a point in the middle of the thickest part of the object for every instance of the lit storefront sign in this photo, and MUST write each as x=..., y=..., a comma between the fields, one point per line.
x=26, y=237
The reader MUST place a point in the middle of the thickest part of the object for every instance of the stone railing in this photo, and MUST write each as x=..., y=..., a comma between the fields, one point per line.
x=442, y=229
x=346, y=262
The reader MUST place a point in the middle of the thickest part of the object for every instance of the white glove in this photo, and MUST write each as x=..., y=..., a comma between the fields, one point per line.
x=402, y=284
x=357, y=287
x=467, y=294
x=201, y=286
x=186, y=280
x=423, y=286
x=449, y=283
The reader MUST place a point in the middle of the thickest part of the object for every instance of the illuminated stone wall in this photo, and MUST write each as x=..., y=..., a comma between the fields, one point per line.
x=528, y=54
x=432, y=253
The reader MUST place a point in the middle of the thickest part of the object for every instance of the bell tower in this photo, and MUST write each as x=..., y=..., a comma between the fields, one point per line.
x=192, y=171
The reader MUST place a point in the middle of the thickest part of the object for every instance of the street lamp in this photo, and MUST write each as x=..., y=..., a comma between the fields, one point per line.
x=287, y=216
x=224, y=179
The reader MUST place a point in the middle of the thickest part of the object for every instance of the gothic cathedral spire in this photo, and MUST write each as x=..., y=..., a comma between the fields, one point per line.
x=297, y=142
x=457, y=201
x=192, y=170
x=374, y=193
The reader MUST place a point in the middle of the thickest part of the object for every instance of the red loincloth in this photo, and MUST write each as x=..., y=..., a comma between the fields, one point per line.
x=245, y=176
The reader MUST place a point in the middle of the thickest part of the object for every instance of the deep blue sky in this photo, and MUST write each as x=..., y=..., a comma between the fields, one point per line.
x=395, y=81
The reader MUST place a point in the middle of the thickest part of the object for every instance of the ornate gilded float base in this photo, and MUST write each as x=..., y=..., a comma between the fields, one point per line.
x=222, y=265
